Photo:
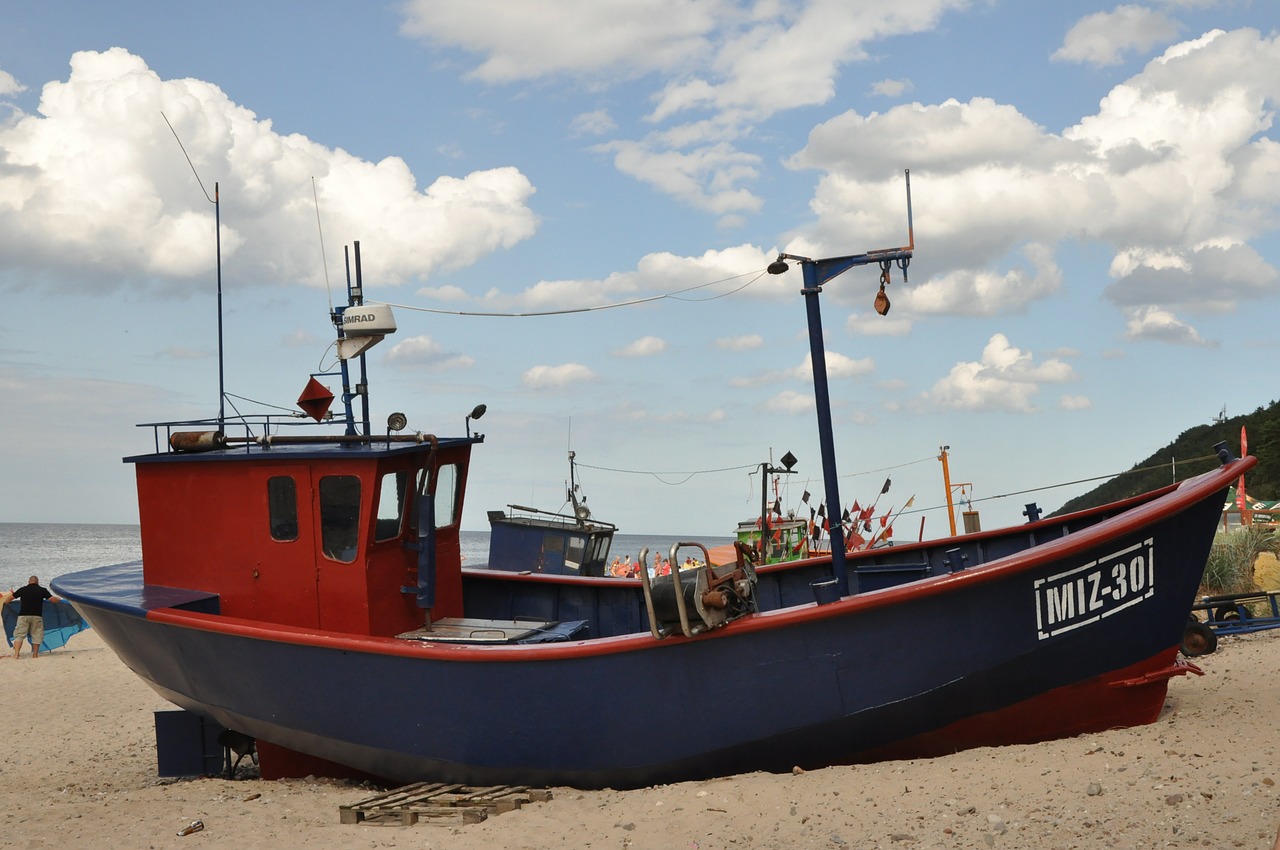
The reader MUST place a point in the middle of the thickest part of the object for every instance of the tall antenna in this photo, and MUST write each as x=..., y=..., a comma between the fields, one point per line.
x=324, y=262
x=217, y=229
x=217, y=232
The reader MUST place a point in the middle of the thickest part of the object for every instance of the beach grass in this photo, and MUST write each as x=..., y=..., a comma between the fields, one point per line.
x=1232, y=560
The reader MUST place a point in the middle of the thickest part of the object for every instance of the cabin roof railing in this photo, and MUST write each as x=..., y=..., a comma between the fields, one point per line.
x=193, y=436
x=588, y=523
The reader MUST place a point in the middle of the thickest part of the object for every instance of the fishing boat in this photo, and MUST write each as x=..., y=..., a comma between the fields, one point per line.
x=775, y=538
x=307, y=590
x=524, y=539
x=770, y=538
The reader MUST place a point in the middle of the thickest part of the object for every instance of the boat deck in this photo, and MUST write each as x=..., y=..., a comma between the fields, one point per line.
x=120, y=587
x=479, y=630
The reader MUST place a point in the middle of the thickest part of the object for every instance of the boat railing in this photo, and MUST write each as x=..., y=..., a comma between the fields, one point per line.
x=201, y=435
x=246, y=428
x=550, y=517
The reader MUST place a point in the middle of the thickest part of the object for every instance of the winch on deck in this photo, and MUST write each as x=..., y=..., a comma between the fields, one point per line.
x=692, y=601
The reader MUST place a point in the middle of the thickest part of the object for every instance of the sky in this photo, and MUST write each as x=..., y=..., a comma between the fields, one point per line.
x=571, y=206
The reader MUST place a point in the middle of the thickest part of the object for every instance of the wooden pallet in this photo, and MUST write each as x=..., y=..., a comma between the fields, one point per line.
x=440, y=802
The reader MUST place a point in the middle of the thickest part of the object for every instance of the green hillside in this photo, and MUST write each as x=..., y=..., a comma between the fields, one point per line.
x=1193, y=453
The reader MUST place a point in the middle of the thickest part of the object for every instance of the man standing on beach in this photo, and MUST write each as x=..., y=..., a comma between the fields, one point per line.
x=31, y=616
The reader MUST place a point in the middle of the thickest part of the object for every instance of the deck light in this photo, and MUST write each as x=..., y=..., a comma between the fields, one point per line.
x=476, y=413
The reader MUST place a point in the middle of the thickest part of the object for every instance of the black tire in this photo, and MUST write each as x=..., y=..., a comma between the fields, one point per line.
x=1225, y=613
x=1198, y=639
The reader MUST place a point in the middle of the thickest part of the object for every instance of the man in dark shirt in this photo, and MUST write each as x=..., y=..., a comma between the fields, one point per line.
x=31, y=616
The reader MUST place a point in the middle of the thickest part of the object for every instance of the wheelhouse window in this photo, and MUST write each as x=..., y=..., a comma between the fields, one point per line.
x=447, y=495
x=391, y=505
x=553, y=544
x=282, y=507
x=577, y=546
x=445, y=502
x=552, y=558
x=600, y=549
x=339, y=516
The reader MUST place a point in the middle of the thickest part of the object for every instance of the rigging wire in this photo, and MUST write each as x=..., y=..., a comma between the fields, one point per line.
x=1070, y=483
x=889, y=468
x=291, y=411
x=753, y=467
x=657, y=475
x=188, y=156
x=688, y=475
x=324, y=261
x=595, y=308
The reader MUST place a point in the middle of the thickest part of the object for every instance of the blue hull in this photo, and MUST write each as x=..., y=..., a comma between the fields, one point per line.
x=1083, y=630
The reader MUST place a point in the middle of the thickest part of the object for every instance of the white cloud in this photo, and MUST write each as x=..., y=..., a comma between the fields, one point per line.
x=747, y=342
x=1207, y=278
x=873, y=324
x=99, y=158
x=839, y=367
x=1154, y=324
x=595, y=123
x=645, y=346
x=783, y=56
x=891, y=88
x=980, y=292
x=551, y=377
x=1104, y=37
x=1075, y=402
x=1176, y=163
x=790, y=401
x=1006, y=378
x=727, y=66
x=709, y=275
x=946, y=138
x=422, y=352
x=1175, y=155
x=719, y=55
x=9, y=86
x=448, y=293
x=538, y=38
x=706, y=177
x=299, y=338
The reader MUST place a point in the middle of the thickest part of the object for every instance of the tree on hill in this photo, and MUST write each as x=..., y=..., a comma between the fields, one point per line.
x=1191, y=454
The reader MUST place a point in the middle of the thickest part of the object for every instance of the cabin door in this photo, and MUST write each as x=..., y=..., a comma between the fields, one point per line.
x=341, y=498
x=284, y=575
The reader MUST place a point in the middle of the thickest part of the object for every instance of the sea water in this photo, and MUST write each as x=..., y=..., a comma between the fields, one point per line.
x=49, y=550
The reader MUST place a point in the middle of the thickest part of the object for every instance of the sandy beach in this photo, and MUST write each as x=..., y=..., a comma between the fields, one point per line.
x=79, y=770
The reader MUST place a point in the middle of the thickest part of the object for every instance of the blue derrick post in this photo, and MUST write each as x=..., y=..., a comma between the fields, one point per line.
x=816, y=273
x=826, y=438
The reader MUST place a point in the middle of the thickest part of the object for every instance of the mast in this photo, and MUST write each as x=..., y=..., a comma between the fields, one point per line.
x=766, y=469
x=362, y=388
x=337, y=321
x=217, y=235
x=816, y=273
x=580, y=510
x=946, y=483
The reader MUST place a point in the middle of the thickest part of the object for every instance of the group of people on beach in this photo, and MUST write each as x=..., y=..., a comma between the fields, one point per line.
x=30, y=624
x=626, y=568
